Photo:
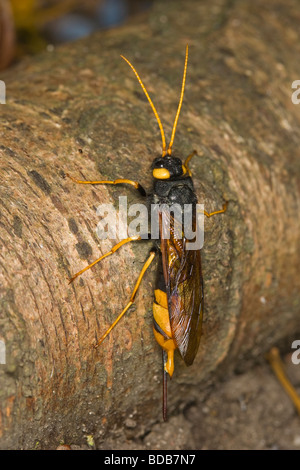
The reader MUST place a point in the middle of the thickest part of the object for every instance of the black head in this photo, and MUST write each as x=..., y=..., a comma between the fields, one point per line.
x=167, y=167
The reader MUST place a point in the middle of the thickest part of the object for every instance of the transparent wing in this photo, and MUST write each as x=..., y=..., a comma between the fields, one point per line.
x=182, y=273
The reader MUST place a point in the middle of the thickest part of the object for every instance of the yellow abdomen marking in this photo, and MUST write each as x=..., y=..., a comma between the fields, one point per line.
x=161, y=317
x=161, y=298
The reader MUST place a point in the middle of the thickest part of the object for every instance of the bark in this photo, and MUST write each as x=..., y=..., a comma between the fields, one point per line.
x=79, y=109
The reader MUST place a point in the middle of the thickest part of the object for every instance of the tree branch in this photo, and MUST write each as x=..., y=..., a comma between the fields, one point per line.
x=79, y=110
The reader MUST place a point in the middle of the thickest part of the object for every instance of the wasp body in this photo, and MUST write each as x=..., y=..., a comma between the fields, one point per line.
x=178, y=295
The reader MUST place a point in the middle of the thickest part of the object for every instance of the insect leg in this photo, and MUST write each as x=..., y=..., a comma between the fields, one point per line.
x=278, y=367
x=221, y=211
x=114, y=248
x=117, y=181
x=186, y=162
x=144, y=269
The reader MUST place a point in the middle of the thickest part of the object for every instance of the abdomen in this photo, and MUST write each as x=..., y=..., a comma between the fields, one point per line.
x=161, y=323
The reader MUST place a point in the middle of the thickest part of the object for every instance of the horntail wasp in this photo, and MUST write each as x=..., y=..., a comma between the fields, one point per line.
x=178, y=303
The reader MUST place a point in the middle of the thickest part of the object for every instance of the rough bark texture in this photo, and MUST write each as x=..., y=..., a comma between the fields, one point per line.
x=79, y=109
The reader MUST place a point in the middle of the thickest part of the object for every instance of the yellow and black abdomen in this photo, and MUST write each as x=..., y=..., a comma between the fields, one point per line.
x=161, y=323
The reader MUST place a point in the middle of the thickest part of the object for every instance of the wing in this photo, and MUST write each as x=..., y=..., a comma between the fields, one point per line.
x=183, y=278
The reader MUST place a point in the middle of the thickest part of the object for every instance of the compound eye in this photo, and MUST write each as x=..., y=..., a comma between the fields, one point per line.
x=158, y=164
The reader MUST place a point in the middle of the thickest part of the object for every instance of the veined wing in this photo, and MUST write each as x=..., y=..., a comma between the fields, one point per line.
x=182, y=273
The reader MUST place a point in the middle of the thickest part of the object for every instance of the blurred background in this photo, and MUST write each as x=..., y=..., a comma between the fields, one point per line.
x=30, y=26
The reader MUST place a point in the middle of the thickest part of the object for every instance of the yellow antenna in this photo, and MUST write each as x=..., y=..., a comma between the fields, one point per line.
x=180, y=101
x=152, y=106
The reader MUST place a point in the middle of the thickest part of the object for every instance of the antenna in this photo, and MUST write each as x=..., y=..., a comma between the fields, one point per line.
x=152, y=106
x=180, y=101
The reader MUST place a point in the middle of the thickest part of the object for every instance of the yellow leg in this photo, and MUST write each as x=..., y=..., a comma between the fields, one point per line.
x=114, y=248
x=278, y=367
x=186, y=162
x=209, y=214
x=145, y=267
x=118, y=181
